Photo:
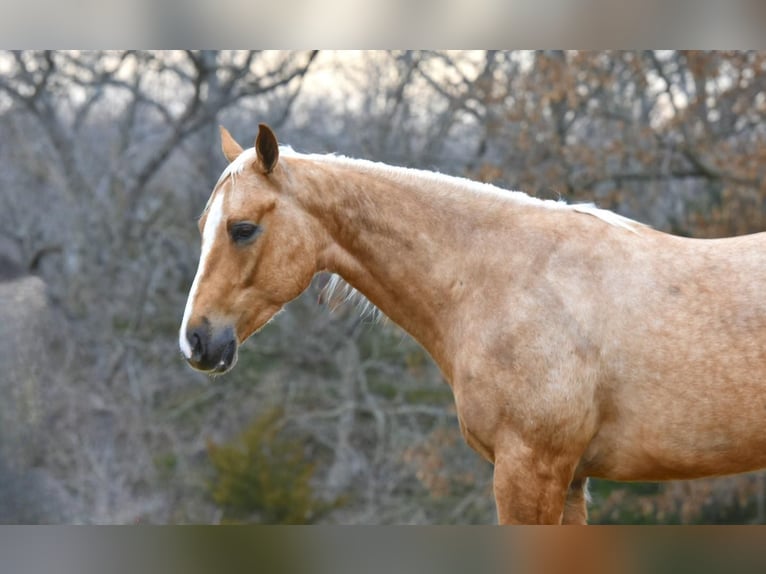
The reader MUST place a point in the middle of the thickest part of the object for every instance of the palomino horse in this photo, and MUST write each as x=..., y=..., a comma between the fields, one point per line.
x=576, y=342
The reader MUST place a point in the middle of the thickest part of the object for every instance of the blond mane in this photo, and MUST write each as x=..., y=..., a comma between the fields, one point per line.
x=449, y=184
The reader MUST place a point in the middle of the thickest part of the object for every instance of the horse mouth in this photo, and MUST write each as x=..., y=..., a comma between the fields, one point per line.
x=228, y=359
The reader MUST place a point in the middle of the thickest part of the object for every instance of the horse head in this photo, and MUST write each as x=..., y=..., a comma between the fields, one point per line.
x=259, y=251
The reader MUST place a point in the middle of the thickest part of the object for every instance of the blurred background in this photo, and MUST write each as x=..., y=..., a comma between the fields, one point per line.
x=109, y=157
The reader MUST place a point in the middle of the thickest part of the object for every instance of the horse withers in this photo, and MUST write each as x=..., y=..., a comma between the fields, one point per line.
x=577, y=343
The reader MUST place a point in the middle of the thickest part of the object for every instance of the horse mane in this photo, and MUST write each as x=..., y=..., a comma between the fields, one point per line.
x=450, y=184
x=338, y=292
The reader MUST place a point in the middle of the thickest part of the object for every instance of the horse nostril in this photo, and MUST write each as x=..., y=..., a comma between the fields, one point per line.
x=197, y=347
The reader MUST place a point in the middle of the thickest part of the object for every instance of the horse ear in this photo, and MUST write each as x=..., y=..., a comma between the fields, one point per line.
x=266, y=148
x=231, y=149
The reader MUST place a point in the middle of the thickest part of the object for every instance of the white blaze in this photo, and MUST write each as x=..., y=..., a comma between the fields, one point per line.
x=213, y=222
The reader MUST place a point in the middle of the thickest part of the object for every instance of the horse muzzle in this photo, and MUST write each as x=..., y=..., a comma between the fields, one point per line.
x=212, y=350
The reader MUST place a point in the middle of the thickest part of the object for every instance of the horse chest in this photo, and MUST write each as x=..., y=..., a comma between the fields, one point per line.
x=475, y=442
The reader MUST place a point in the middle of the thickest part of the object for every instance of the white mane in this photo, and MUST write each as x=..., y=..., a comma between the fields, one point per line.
x=248, y=156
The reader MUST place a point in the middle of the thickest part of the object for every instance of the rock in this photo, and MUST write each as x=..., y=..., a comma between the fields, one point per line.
x=29, y=342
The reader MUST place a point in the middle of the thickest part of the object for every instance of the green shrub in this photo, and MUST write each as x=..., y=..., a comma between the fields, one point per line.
x=265, y=477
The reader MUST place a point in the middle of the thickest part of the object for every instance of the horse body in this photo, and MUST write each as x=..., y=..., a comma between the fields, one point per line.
x=576, y=343
x=686, y=362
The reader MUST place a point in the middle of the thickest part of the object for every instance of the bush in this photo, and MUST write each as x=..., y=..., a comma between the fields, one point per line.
x=265, y=477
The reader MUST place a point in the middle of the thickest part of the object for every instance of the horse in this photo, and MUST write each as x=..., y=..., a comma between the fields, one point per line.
x=577, y=343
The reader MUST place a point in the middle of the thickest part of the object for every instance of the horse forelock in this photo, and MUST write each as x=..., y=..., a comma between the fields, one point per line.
x=236, y=167
x=246, y=158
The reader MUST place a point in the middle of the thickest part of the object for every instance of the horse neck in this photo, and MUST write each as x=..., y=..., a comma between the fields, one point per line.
x=399, y=241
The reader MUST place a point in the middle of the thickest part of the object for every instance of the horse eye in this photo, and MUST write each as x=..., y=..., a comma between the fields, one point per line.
x=243, y=232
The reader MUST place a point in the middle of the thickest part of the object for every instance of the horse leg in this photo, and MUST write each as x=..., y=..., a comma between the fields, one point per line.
x=576, y=506
x=529, y=487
